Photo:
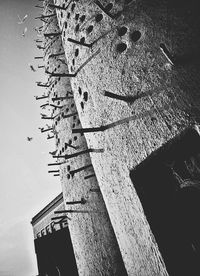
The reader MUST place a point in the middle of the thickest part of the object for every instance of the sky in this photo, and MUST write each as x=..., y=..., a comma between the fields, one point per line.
x=25, y=185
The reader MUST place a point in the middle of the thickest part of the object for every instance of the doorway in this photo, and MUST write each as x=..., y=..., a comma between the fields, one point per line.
x=168, y=185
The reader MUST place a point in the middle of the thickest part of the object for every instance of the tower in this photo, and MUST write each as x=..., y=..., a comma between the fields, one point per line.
x=130, y=72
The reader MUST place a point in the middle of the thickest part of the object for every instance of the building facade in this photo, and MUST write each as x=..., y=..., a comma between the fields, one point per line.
x=53, y=247
x=123, y=88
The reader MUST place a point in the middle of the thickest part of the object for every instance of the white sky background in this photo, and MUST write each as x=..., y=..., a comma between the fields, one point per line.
x=25, y=185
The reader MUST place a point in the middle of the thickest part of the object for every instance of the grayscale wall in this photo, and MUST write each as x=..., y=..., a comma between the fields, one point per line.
x=132, y=72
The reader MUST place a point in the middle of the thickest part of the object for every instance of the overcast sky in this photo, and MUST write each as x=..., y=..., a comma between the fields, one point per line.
x=25, y=186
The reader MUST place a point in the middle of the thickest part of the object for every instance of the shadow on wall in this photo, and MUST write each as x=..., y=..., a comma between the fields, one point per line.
x=55, y=254
x=168, y=185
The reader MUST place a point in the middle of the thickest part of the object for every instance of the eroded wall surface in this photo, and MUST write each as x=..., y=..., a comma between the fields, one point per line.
x=134, y=71
x=95, y=246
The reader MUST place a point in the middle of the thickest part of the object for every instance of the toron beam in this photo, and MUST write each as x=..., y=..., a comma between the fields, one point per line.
x=45, y=16
x=62, y=98
x=43, y=20
x=151, y=111
x=56, y=55
x=50, y=118
x=60, y=217
x=82, y=201
x=89, y=176
x=84, y=130
x=77, y=71
x=43, y=105
x=57, y=7
x=90, y=45
x=128, y=99
x=68, y=156
x=52, y=34
x=43, y=84
x=59, y=74
x=71, y=146
x=47, y=118
x=56, y=106
x=40, y=47
x=45, y=130
x=40, y=98
x=69, y=115
x=79, y=42
x=87, y=61
x=73, y=211
x=72, y=173
x=50, y=137
x=56, y=164
x=53, y=171
x=102, y=8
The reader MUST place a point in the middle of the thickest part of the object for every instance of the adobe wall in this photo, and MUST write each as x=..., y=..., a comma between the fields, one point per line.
x=152, y=64
x=94, y=242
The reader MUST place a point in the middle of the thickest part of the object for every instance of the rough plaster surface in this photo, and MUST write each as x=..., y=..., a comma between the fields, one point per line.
x=94, y=242
x=167, y=104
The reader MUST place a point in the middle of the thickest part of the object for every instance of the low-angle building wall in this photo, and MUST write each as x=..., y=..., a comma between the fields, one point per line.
x=131, y=71
x=95, y=246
